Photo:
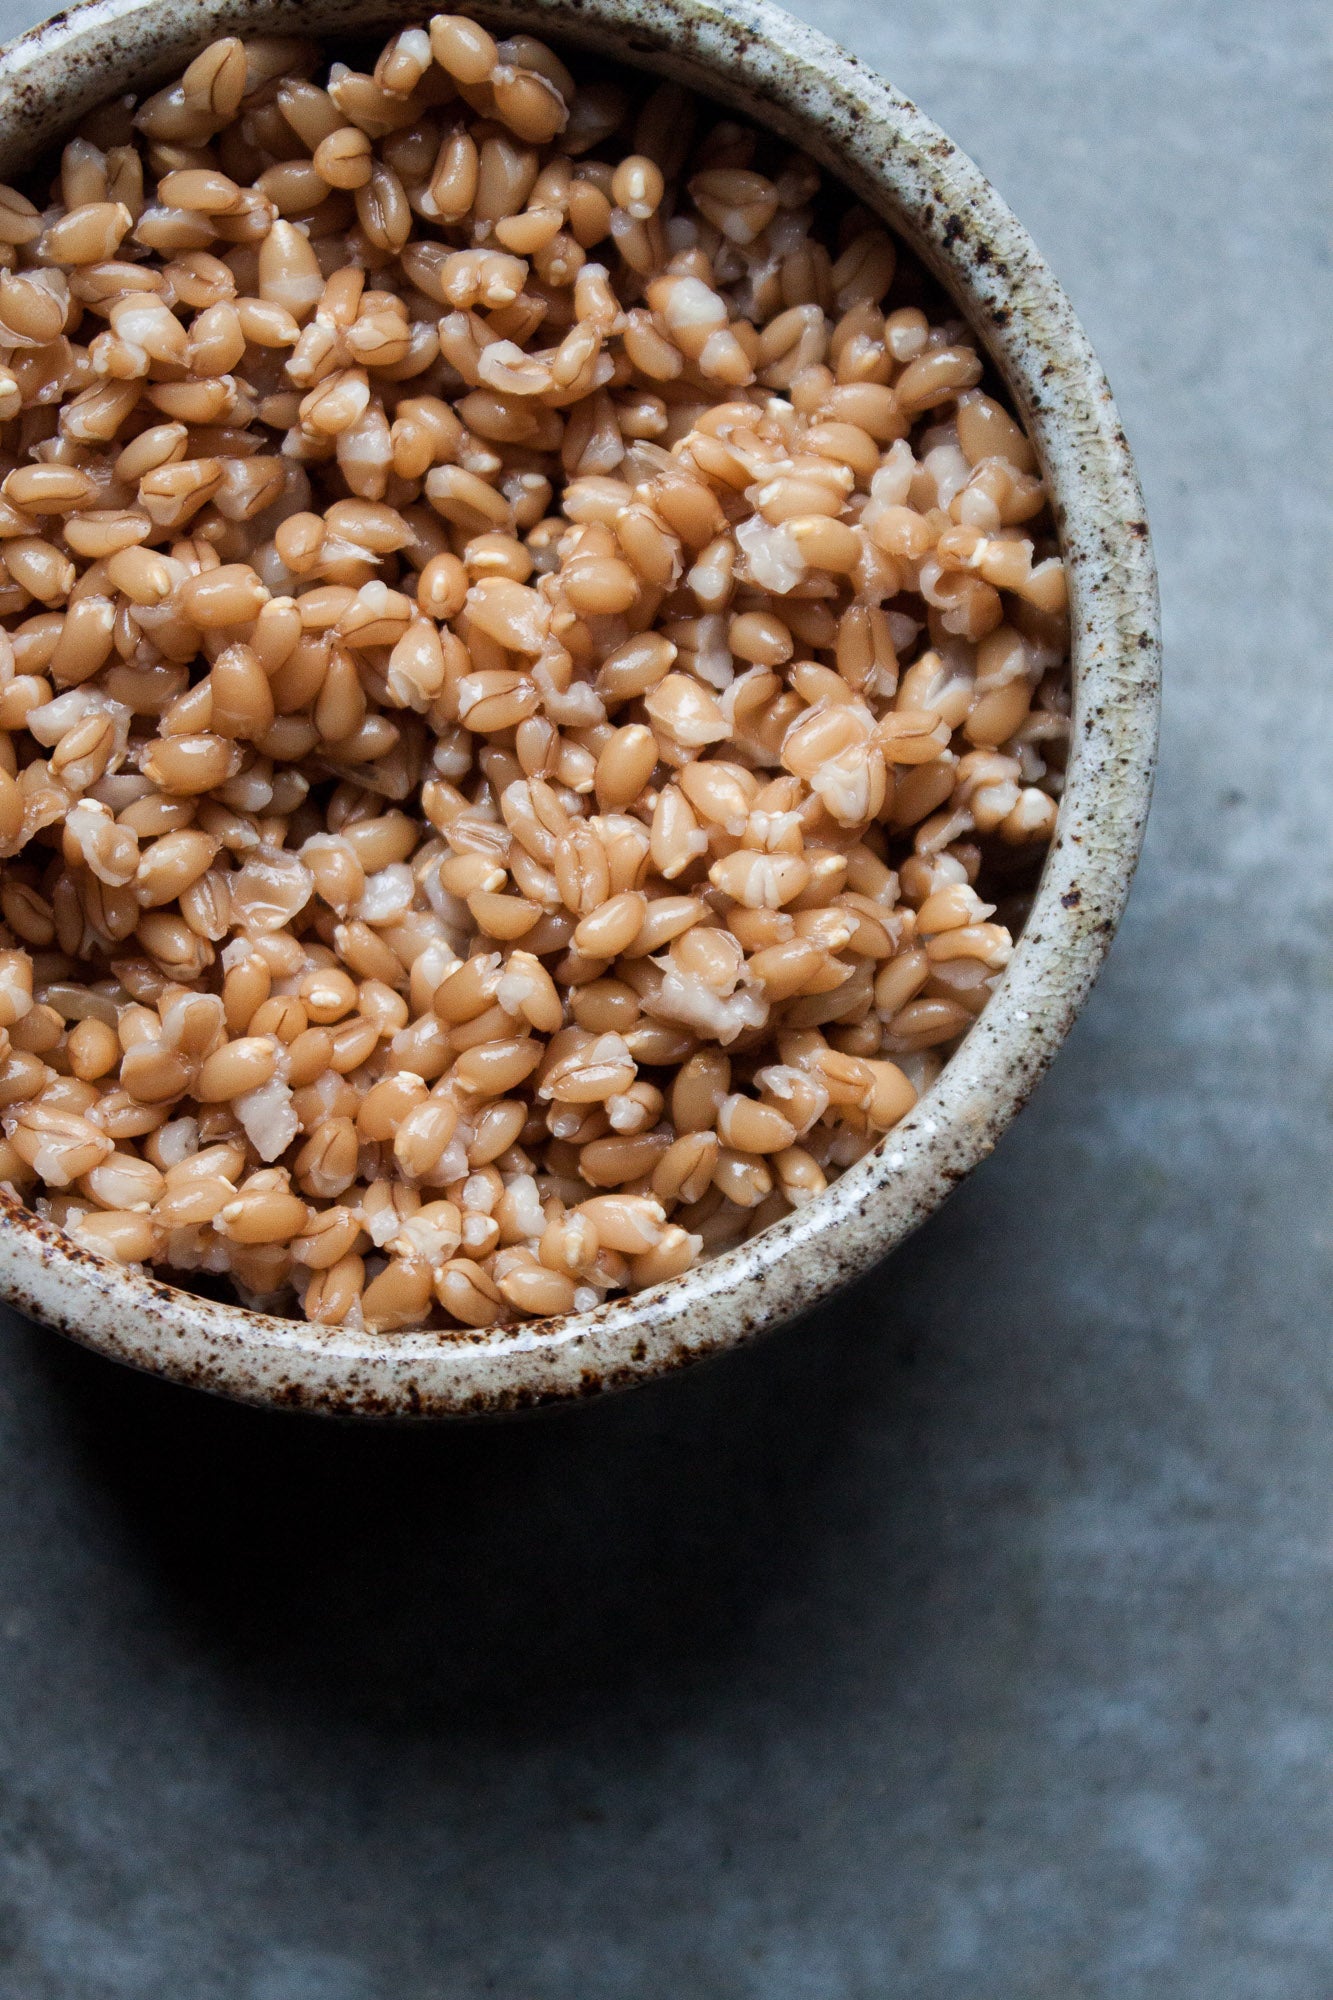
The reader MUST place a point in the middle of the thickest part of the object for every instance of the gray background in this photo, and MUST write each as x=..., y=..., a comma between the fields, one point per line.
x=974, y=1638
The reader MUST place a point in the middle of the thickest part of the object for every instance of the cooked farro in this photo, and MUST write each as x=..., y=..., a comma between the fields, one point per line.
x=531, y=681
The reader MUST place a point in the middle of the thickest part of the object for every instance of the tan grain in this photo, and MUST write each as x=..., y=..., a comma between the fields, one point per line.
x=513, y=713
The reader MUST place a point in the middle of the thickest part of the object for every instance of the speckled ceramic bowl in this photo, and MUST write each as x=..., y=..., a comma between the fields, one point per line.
x=758, y=60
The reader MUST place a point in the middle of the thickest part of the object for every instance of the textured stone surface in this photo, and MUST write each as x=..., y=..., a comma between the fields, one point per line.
x=974, y=1637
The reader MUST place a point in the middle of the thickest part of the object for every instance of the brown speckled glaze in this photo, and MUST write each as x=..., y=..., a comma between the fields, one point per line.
x=758, y=60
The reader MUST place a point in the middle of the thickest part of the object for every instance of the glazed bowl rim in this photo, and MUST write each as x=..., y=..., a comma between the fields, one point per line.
x=750, y=55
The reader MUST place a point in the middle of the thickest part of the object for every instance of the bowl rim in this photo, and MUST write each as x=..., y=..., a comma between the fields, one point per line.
x=759, y=60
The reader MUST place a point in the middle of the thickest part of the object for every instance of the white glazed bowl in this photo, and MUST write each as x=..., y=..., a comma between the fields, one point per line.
x=757, y=60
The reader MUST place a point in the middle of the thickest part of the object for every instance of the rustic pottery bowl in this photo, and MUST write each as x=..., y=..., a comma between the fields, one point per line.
x=755, y=59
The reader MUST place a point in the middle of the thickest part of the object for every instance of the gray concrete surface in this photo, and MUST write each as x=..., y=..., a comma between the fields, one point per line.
x=976, y=1638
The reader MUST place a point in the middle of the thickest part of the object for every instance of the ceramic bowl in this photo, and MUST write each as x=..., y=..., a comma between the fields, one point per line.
x=757, y=60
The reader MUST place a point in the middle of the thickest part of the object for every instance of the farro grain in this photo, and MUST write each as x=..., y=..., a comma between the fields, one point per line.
x=451, y=678
x=325, y=1166
x=238, y=1066
x=332, y=1293
x=742, y=1178
x=267, y=1215
x=125, y=1237
x=468, y=1293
